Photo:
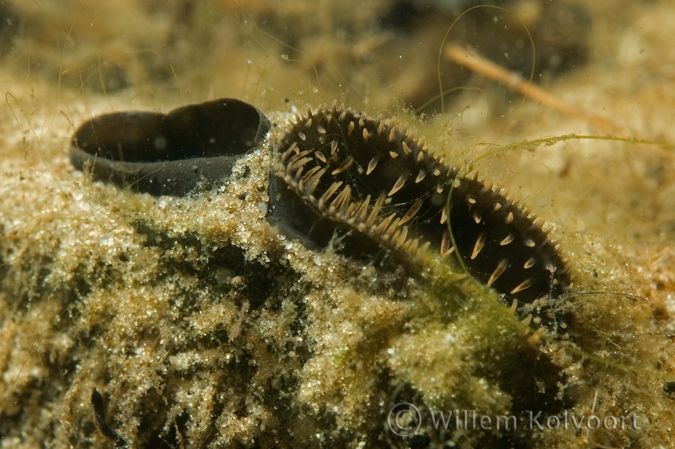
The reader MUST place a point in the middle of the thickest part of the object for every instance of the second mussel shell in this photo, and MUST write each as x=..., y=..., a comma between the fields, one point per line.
x=168, y=154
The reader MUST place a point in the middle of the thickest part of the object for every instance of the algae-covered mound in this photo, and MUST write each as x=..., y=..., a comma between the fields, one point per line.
x=191, y=322
x=128, y=320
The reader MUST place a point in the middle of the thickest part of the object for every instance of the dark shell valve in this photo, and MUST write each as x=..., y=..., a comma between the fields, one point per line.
x=337, y=171
x=368, y=176
x=168, y=154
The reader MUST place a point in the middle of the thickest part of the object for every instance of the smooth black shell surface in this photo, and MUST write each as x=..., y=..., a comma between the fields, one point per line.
x=168, y=154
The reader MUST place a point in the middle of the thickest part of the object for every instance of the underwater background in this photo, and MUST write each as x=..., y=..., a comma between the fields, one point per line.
x=129, y=320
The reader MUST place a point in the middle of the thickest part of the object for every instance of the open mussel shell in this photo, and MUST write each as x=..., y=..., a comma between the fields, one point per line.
x=168, y=154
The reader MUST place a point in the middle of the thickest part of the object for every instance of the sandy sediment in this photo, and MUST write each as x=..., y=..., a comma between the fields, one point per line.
x=200, y=325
